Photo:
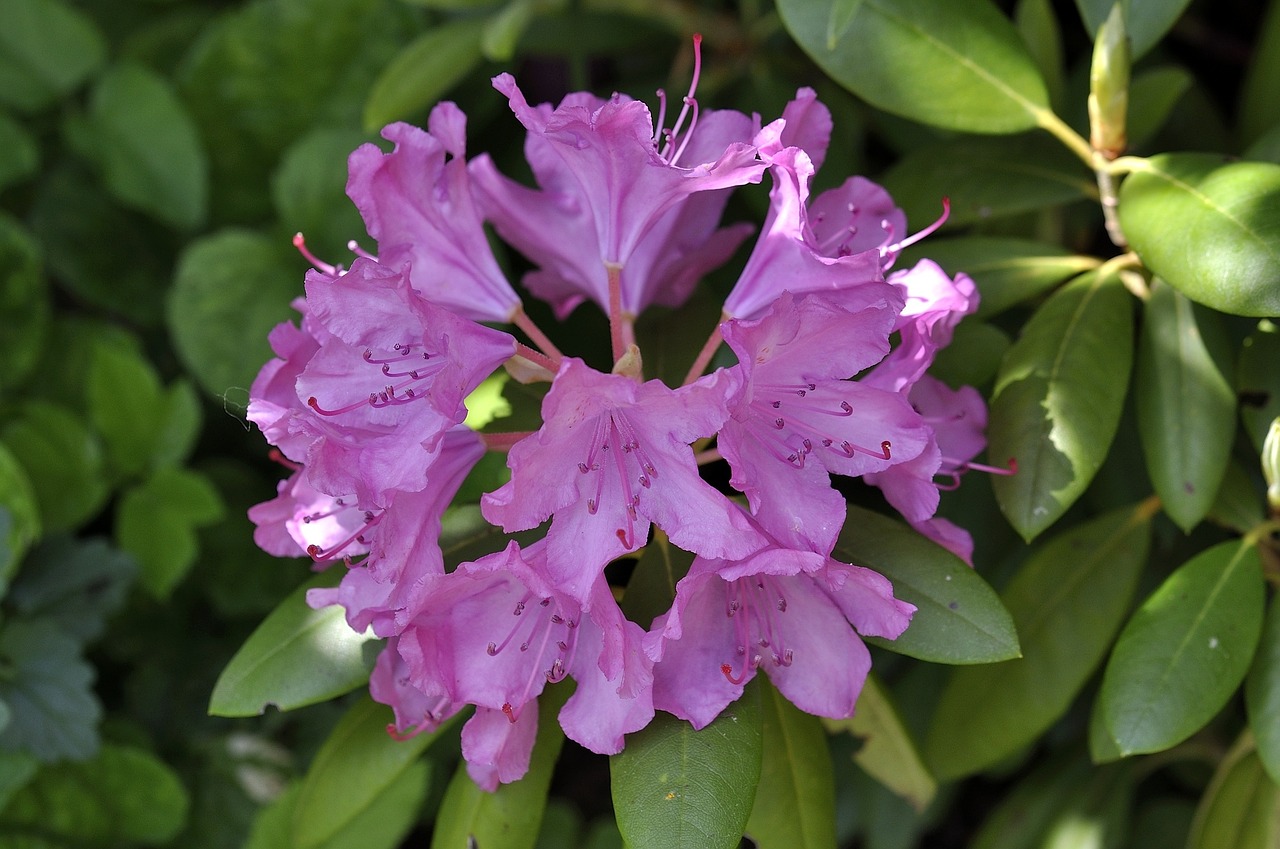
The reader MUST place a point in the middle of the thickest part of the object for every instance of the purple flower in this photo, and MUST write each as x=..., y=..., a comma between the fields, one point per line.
x=415, y=711
x=417, y=203
x=607, y=179
x=795, y=419
x=301, y=519
x=611, y=456
x=388, y=382
x=495, y=632
x=274, y=405
x=781, y=610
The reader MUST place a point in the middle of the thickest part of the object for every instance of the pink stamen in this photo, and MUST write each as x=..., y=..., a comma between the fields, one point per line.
x=690, y=105
x=300, y=243
x=911, y=240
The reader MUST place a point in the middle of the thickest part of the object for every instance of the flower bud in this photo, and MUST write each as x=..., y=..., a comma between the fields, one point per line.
x=1271, y=465
x=1109, y=86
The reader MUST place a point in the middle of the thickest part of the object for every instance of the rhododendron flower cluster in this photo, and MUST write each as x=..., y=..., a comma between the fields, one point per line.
x=822, y=370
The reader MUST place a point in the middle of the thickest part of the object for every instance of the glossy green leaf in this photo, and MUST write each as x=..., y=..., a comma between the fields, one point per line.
x=1241, y=807
x=795, y=799
x=1008, y=271
x=958, y=619
x=1152, y=97
x=48, y=686
x=652, y=587
x=124, y=395
x=124, y=796
x=382, y=825
x=19, y=156
x=840, y=19
x=508, y=818
x=502, y=31
x=18, y=501
x=1258, y=381
x=1262, y=693
x=423, y=71
x=309, y=191
x=229, y=290
x=888, y=752
x=986, y=178
x=1068, y=601
x=1238, y=504
x=63, y=461
x=1259, y=107
x=974, y=355
x=156, y=523
x=24, y=301
x=1185, y=651
x=356, y=766
x=1212, y=230
x=148, y=146
x=1042, y=36
x=1058, y=399
x=1145, y=20
x=75, y=584
x=297, y=656
x=1185, y=407
x=956, y=65
x=47, y=48
x=683, y=789
x=1063, y=804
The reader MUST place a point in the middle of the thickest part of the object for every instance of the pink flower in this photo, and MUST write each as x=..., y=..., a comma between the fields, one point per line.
x=795, y=419
x=388, y=381
x=415, y=711
x=301, y=518
x=417, y=202
x=611, y=456
x=273, y=401
x=785, y=611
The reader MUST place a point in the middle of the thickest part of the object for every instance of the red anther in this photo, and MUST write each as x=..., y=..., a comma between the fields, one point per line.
x=509, y=711
x=275, y=456
x=885, y=446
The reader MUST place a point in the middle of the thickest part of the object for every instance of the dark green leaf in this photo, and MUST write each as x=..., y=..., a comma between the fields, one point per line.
x=148, y=146
x=47, y=48
x=297, y=656
x=49, y=690
x=1058, y=399
x=1185, y=407
x=16, y=769
x=75, y=584
x=509, y=817
x=124, y=796
x=19, y=156
x=1068, y=602
x=795, y=799
x=973, y=356
x=63, y=462
x=124, y=396
x=1007, y=271
x=1146, y=21
x=356, y=766
x=888, y=753
x=683, y=789
x=1259, y=107
x=156, y=522
x=1042, y=36
x=309, y=191
x=179, y=418
x=841, y=18
x=1238, y=504
x=230, y=289
x=652, y=587
x=24, y=301
x=424, y=71
x=1152, y=97
x=1185, y=651
x=1241, y=807
x=986, y=178
x=958, y=617
x=503, y=30
x=1212, y=230
x=1262, y=693
x=1258, y=381
x=22, y=515
x=956, y=65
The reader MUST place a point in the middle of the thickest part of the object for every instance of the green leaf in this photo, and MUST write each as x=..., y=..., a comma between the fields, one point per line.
x=1241, y=807
x=1058, y=399
x=1185, y=407
x=179, y=418
x=16, y=770
x=229, y=290
x=509, y=817
x=841, y=18
x=958, y=619
x=1262, y=693
x=24, y=301
x=297, y=656
x=382, y=825
x=19, y=156
x=683, y=789
x=986, y=178
x=124, y=396
x=652, y=587
x=503, y=30
x=156, y=522
x=18, y=502
x=63, y=461
x=889, y=753
x=1068, y=601
x=1146, y=21
x=1185, y=651
x=960, y=66
x=1008, y=271
x=47, y=48
x=974, y=355
x=1259, y=107
x=424, y=71
x=309, y=190
x=49, y=690
x=124, y=796
x=1152, y=97
x=1258, y=381
x=356, y=766
x=76, y=584
x=795, y=799
x=1238, y=504
x=1042, y=36
x=1212, y=230
x=148, y=146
